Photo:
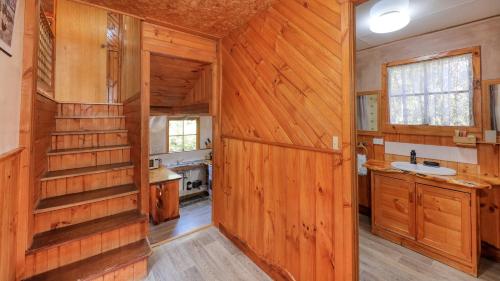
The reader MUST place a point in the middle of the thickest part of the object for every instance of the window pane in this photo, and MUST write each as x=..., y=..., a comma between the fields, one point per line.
x=190, y=127
x=175, y=144
x=189, y=142
x=175, y=127
x=437, y=92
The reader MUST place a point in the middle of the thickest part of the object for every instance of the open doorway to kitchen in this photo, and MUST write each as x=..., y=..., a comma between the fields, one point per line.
x=181, y=142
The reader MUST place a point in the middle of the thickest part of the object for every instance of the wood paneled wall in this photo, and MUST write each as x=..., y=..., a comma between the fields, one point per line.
x=9, y=192
x=162, y=40
x=286, y=93
x=81, y=53
x=279, y=202
x=202, y=90
x=136, y=111
x=131, y=58
x=45, y=111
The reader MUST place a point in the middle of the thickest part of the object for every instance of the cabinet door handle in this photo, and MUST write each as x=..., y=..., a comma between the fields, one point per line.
x=419, y=198
x=410, y=197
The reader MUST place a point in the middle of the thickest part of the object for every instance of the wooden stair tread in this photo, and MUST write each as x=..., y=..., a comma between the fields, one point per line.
x=82, y=230
x=85, y=171
x=87, y=149
x=90, y=103
x=98, y=265
x=69, y=200
x=63, y=133
x=90, y=117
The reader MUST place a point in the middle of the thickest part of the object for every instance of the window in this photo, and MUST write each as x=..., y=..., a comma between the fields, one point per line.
x=183, y=134
x=437, y=92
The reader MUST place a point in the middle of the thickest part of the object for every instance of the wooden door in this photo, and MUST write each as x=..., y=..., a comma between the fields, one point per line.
x=444, y=220
x=81, y=53
x=394, y=205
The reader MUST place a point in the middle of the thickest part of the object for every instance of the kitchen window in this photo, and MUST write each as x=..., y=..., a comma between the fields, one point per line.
x=437, y=90
x=183, y=134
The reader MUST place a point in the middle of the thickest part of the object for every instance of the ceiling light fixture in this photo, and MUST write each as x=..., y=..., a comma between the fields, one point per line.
x=389, y=15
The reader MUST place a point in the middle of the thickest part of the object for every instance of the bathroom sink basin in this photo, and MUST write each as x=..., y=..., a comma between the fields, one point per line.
x=421, y=169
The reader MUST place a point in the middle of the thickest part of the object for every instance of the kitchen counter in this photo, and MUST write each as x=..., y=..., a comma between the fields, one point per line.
x=162, y=174
x=464, y=180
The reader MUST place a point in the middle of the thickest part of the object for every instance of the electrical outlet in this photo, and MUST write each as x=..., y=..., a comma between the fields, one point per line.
x=335, y=142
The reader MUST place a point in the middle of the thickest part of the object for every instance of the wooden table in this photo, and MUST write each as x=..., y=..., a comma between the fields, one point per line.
x=164, y=194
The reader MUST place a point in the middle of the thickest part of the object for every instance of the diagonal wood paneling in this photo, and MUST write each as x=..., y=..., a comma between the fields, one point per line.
x=282, y=76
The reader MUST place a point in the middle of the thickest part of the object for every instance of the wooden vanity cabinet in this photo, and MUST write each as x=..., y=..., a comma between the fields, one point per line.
x=394, y=205
x=436, y=219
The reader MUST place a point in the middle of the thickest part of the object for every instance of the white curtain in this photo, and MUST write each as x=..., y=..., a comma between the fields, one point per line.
x=437, y=92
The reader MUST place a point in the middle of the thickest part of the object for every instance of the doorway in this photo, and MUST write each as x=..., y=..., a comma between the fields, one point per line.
x=180, y=154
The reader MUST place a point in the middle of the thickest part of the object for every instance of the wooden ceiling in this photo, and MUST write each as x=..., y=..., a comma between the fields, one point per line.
x=172, y=79
x=210, y=17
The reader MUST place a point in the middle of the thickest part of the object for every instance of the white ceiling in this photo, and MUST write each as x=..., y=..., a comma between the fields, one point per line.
x=426, y=16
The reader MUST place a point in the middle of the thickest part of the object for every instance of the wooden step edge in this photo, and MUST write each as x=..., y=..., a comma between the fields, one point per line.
x=91, y=117
x=87, y=149
x=64, y=235
x=90, y=103
x=86, y=197
x=99, y=265
x=63, y=133
x=52, y=175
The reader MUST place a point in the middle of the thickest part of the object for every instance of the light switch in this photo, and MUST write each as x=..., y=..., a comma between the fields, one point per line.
x=335, y=142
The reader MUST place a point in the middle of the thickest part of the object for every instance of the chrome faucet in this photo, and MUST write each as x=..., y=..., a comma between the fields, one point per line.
x=413, y=157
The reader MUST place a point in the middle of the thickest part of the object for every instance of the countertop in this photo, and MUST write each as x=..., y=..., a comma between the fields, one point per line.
x=465, y=180
x=162, y=174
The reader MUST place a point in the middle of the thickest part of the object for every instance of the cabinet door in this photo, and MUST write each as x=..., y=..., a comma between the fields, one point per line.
x=394, y=205
x=171, y=199
x=444, y=220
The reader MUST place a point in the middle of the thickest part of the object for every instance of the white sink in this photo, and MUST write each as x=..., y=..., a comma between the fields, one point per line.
x=421, y=169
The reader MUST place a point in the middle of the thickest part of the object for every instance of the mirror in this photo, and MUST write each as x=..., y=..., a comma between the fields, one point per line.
x=367, y=111
x=494, y=94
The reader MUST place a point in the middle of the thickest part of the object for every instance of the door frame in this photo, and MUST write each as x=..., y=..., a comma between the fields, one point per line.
x=214, y=110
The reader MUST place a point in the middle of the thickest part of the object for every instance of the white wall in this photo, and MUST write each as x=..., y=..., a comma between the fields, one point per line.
x=10, y=86
x=484, y=33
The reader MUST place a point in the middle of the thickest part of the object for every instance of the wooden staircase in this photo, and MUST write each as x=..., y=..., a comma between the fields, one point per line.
x=87, y=224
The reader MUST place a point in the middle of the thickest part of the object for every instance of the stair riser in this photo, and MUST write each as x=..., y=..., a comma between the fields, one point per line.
x=72, y=109
x=75, y=184
x=84, y=212
x=88, y=159
x=134, y=272
x=60, y=255
x=89, y=124
x=88, y=140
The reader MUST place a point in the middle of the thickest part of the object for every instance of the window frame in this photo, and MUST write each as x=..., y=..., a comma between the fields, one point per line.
x=197, y=119
x=387, y=127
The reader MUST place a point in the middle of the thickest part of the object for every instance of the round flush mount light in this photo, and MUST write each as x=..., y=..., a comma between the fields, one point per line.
x=389, y=15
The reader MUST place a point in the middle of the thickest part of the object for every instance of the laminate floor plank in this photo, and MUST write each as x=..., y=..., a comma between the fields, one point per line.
x=192, y=216
x=203, y=255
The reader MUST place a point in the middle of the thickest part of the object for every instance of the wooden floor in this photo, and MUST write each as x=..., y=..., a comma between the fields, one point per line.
x=192, y=216
x=381, y=260
x=203, y=255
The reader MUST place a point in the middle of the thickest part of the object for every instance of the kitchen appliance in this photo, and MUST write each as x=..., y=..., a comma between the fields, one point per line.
x=154, y=163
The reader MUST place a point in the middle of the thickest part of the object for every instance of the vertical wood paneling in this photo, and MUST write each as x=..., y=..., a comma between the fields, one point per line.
x=44, y=124
x=9, y=192
x=81, y=53
x=282, y=215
